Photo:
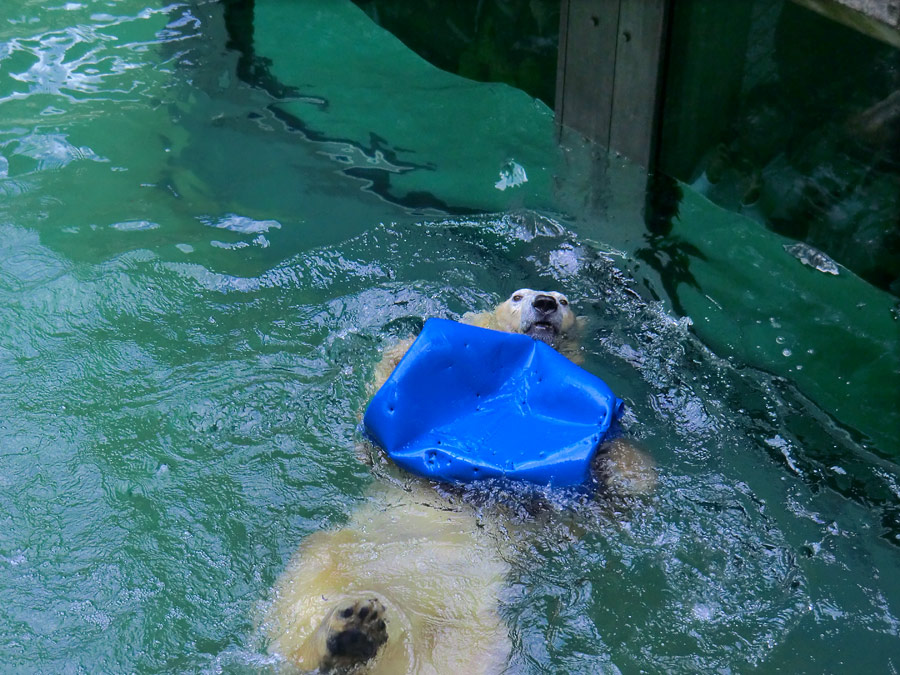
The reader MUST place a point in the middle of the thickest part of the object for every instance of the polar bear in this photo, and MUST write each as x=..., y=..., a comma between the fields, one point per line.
x=544, y=315
x=412, y=583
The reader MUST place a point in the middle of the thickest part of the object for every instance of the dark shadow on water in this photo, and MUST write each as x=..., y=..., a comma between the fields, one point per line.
x=484, y=40
x=669, y=256
x=256, y=71
x=251, y=68
x=820, y=442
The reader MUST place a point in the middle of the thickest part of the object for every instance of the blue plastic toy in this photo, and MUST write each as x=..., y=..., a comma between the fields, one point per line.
x=468, y=403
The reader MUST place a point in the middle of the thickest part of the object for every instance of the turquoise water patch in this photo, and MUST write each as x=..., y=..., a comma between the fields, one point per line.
x=180, y=398
x=832, y=335
x=429, y=129
x=789, y=321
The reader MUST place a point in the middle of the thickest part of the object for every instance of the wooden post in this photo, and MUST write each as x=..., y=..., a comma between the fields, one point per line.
x=703, y=80
x=609, y=73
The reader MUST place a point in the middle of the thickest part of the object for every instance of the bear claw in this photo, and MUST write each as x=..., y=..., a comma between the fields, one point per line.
x=354, y=634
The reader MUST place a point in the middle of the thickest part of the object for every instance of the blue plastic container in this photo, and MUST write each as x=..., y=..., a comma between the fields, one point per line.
x=468, y=403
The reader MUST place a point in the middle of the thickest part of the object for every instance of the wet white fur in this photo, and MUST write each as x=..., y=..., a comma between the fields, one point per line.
x=435, y=567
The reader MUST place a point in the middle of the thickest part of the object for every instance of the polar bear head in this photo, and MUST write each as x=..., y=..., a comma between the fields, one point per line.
x=542, y=315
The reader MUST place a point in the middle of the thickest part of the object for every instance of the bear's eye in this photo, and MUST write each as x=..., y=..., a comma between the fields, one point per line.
x=517, y=298
x=563, y=302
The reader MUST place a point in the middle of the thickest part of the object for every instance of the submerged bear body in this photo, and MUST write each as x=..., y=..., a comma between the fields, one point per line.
x=431, y=573
x=412, y=583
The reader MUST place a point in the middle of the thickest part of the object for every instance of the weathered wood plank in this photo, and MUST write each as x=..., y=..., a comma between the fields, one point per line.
x=586, y=67
x=639, y=80
x=609, y=70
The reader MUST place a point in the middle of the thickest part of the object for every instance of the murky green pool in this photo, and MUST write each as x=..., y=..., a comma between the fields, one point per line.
x=196, y=278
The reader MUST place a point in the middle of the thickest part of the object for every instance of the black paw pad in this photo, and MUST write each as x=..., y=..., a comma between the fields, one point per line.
x=351, y=644
x=355, y=633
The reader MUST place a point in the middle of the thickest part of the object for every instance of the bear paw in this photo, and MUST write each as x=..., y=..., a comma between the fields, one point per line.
x=354, y=634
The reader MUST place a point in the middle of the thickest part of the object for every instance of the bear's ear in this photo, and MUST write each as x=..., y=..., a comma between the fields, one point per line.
x=479, y=319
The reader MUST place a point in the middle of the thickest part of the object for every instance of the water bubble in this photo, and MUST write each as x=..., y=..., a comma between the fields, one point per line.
x=812, y=257
x=242, y=224
x=511, y=175
x=135, y=225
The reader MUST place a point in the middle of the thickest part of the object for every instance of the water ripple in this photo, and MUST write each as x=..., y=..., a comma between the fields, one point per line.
x=91, y=59
x=52, y=151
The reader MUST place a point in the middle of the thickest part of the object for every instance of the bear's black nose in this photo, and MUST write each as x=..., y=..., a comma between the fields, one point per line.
x=544, y=303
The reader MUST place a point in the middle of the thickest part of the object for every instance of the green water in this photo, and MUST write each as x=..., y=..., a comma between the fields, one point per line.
x=196, y=279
